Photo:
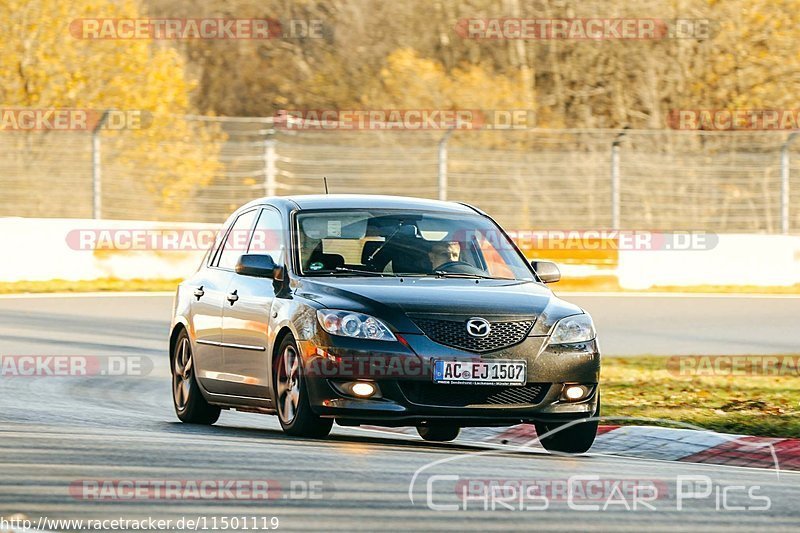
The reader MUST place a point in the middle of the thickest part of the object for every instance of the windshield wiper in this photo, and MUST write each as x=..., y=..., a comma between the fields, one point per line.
x=357, y=271
x=443, y=274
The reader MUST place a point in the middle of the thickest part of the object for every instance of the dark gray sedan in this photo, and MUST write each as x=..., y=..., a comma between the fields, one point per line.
x=385, y=311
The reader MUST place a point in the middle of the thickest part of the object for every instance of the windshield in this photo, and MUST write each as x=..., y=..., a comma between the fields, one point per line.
x=408, y=243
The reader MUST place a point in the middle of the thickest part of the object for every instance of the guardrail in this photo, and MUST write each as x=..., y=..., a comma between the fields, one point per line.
x=191, y=168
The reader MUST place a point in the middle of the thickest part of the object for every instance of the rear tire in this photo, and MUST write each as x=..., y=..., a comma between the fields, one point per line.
x=438, y=433
x=291, y=395
x=190, y=405
x=575, y=439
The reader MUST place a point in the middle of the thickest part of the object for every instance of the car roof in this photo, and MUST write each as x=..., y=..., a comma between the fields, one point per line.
x=367, y=201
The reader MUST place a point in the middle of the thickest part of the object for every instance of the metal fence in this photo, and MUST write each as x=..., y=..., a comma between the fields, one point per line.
x=532, y=179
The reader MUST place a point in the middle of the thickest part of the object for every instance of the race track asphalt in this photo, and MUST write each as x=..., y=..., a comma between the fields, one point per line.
x=59, y=434
x=627, y=325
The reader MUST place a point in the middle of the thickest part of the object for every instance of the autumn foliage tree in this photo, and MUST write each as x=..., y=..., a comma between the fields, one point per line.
x=411, y=54
x=43, y=65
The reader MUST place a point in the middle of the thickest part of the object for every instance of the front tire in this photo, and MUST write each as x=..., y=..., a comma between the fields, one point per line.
x=438, y=433
x=291, y=395
x=575, y=439
x=190, y=405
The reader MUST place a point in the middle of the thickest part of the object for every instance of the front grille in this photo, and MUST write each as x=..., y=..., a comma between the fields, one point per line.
x=426, y=393
x=454, y=333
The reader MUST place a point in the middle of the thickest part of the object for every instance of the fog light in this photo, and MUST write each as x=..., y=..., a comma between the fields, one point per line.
x=574, y=392
x=363, y=389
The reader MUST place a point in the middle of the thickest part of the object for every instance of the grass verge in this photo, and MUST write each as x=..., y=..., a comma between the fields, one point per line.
x=751, y=405
x=96, y=285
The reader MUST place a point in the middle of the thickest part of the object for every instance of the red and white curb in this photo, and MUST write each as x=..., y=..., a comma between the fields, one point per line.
x=648, y=442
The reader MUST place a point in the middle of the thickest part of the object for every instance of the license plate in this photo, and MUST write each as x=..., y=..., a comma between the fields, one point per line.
x=480, y=373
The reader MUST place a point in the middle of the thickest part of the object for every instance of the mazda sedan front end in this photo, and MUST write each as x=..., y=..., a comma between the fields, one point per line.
x=383, y=311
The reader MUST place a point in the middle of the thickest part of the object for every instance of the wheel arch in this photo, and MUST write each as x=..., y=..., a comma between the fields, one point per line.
x=276, y=346
x=173, y=339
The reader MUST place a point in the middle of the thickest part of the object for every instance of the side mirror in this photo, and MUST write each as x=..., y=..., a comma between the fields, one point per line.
x=258, y=266
x=547, y=271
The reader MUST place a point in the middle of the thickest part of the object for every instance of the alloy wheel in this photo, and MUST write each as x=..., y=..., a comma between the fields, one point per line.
x=182, y=374
x=288, y=384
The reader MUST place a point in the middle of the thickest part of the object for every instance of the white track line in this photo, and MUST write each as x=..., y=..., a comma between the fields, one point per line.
x=582, y=294
x=109, y=294
x=676, y=295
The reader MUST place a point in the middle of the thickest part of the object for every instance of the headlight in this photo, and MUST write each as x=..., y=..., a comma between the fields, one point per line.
x=572, y=329
x=357, y=325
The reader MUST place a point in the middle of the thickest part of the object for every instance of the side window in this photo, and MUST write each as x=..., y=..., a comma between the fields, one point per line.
x=237, y=239
x=213, y=252
x=495, y=264
x=268, y=238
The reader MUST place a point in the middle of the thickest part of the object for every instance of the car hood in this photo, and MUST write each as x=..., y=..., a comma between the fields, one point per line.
x=394, y=300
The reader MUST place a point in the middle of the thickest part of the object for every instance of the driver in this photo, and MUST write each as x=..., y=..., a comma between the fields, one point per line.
x=443, y=252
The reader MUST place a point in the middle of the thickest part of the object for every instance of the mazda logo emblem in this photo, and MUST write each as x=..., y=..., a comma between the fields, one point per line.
x=478, y=327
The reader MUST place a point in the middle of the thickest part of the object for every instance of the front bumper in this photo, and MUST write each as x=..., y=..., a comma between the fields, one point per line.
x=403, y=372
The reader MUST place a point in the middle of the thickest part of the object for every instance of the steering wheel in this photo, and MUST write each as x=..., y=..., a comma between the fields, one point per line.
x=460, y=267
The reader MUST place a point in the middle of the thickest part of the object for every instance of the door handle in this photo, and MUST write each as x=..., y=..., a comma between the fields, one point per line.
x=232, y=297
x=199, y=292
